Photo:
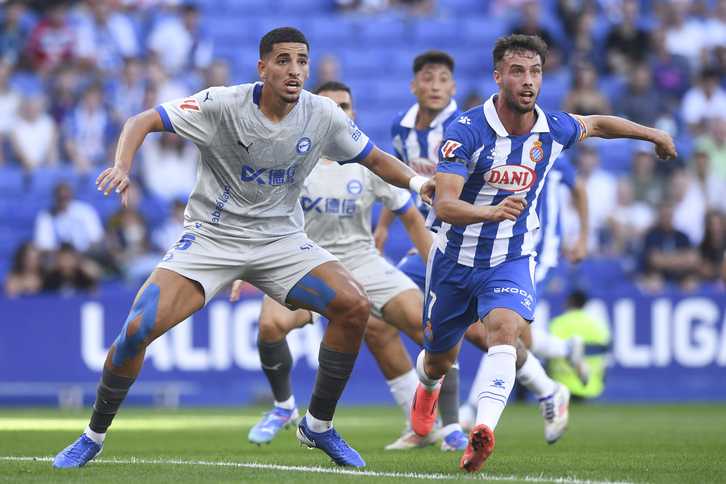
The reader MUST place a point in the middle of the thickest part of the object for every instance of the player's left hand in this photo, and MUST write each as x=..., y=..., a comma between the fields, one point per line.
x=665, y=149
x=380, y=236
x=236, y=289
x=427, y=191
x=578, y=252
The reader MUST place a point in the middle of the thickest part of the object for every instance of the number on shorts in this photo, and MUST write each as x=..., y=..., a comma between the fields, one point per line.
x=431, y=304
x=185, y=241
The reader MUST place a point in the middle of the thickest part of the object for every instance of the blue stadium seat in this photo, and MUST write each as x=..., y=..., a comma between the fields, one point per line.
x=616, y=155
x=44, y=181
x=385, y=31
x=464, y=8
x=432, y=33
x=12, y=181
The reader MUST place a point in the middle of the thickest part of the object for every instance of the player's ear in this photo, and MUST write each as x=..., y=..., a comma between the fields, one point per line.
x=262, y=69
x=497, y=78
x=413, y=87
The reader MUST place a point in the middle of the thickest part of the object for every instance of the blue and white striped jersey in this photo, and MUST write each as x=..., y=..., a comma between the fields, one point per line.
x=419, y=148
x=548, y=238
x=496, y=165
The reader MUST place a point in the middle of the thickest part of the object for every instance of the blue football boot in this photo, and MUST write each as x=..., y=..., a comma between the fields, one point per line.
x=275, y=420
x=331, y=443
x=78, y=453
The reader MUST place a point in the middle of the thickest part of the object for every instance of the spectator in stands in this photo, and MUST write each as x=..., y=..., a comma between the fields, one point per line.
x=689, y=205
x=88, y=131
x=641, y=102
x=27, y=272
x=530, y=24
x=713, y=144
x=34, y=136
x=53, y=40
x=10, y=101
x=191, y=50
x=69, y=276
x=710, y=186
x=704, y=102
x=218, y=74
x=627, y=43
x=601, y=188
x=72, y=221
x=648, y=177
x=585, y=97
x=583, y=48
x=328, y=69
x=126, y=93
x=164, y=86
x=13, y=32
x=169, y=165
x=129, y=240
x=668, y=256
x=64, y=87
x=167, y=234
x=712, y=248
x=671, y=73
x=685, y=35
x=628, y=221
x=105, y=37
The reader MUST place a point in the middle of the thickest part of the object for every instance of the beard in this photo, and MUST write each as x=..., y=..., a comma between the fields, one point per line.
x=512, y=103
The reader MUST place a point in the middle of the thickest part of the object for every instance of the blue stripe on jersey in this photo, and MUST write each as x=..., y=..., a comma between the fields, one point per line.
x=165, y=118
x=404, y=208
x=498, y=165
x=256, y=94
x=361, y=156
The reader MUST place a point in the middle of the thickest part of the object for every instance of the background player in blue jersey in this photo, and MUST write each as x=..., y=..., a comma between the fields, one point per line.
x=493, y=162
x=243, y=220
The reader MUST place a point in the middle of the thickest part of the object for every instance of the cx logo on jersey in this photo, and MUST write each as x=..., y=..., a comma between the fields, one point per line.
x=269, y=176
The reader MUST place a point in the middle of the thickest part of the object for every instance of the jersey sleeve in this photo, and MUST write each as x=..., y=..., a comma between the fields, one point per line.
x=195, y=118
x=397, y=200
x=567, y=129
x=345, y=142
x=455, y=150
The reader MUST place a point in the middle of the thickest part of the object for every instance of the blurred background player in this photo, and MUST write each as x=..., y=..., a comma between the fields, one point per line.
x=337, y=203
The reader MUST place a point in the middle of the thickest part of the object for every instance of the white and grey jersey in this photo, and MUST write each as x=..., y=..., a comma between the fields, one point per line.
x=252, y=170
x=337, y=201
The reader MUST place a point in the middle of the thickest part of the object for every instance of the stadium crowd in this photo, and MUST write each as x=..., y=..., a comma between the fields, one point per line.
x=72, y=72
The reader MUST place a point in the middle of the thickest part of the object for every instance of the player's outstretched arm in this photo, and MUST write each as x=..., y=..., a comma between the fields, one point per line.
x=397, y=173
x=579, y=199
x=611, y=127
x=450, y=209
x=133, y=134
x=415, y=226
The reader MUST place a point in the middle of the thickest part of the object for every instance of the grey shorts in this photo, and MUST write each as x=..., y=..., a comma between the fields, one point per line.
x=382, y=282
x=274, y=265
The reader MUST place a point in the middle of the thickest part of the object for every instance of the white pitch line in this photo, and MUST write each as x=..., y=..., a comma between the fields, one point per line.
x=325, y=470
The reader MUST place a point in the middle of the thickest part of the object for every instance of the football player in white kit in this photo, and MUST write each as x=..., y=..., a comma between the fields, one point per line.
x=337, y=202
x=258, y=143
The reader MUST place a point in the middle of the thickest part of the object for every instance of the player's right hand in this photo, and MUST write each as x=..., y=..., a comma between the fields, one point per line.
x=509, y=208
x=116, y=178
x=236, y=289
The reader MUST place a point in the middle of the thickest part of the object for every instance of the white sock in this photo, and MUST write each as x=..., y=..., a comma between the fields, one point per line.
x=288, y=404
x=403, y=388
x=473, y=399
x=498, y=380
x=546, y=346
x=427, y=383
x=317, y=426
x=452, y=427
x=94, y=436
x=534, y=378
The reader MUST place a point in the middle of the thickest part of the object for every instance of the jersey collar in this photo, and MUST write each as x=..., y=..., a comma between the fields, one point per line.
x=540, y=126
x=409, y=119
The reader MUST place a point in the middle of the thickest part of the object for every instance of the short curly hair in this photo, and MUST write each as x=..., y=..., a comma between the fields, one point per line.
x=518, y=44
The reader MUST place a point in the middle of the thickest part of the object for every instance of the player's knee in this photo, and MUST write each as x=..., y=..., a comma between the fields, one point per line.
x=271, y=328
x=435, y=367
x=377, y=333
x=352, y=305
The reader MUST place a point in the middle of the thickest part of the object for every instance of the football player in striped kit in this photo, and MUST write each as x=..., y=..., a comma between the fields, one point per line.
x=492, y=166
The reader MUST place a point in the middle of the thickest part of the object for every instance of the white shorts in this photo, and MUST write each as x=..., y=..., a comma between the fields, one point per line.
x=382, y=282
x=274, y=265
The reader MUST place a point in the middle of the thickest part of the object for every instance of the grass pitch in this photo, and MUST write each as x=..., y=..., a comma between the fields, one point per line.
x=605, y=443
